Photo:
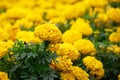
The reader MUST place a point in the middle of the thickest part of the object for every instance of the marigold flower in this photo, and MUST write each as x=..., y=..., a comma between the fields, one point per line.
x=74, y=11
x=67, y=76
x=3, y=34
x=3, y=48
x=67, y=49
x=85, y=47
x=79, y=74
x=114, y=14
x=62, y=64
x=27, y=36
x=68, y=36
x=83, y=27
x=3, y=76
x=48, y=32
x=114, y=37
x=95, y=66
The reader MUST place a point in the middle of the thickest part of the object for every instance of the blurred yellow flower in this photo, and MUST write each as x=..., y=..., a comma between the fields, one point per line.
x=3, y=76
x=79, y=73
x=66, y=76
x=3, y=48
x=27, y=36
x=83, y=27
x=75, y=11
x=48, y=32
x=3, y=34
x=114, y=37
x=85, y=47
x=67, y=49
x=95, y=66
x=69, y=34
x=62, y=64
x=114, y=14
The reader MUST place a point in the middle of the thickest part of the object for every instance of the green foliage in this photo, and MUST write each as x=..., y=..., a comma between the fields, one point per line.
x=31, y=62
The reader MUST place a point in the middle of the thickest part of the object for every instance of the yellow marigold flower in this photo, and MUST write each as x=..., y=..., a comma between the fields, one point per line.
x=114, y=37
x=92, y=63
x=83, y=27
x=24, y=23
x=95, y=66
x=102, y=17
x=119, y=77
x=10, y=43
x=62, y=64
x=12, y=30
x=27, y=36
x=79, y=74
x=85, y=47
x=57, y=20
x=114, y=14
x=116, y=48
x=52, y=13
x=16, y=13
x=48, y=32
x=67, y=76
x=74, y=11
x=118, y=29
x=34, y=17
x=69, y=1
x=3, y=34
x=53, y=47
x=3, y=48
x=67, y=49
x=99, y=3
x=69, y=34
x=98, y=74
x=3, y=76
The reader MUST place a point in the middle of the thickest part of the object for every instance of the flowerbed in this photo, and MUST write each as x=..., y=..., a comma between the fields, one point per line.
x=60, y=40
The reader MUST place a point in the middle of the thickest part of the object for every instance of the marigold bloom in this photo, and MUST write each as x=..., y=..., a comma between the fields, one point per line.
x=3, y=34
x=67, y=49
x=85, y=47
x=74, y=11
x=3, y=76
x=95, y=66
x=83, y=27
x=118, y=29
x=24, y=23
x=67, y=76
x=79, y=74
x=27, y=36
x=69, y=34
x=3, y=48
x=119, y=77
x=48, y=32
x=114, y=14
x=62, y=64
x=114, y=37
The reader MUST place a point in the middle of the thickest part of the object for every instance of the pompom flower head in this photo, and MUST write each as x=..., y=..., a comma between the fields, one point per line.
x=95, y=66
x=69, y=34
x=67, y=49
x=83, y=27
x=48, y=32
x=86, y=47
x=114, y=37
x=3, y=76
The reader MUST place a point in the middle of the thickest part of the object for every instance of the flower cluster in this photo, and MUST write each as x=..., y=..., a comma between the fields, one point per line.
x=83, y=34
